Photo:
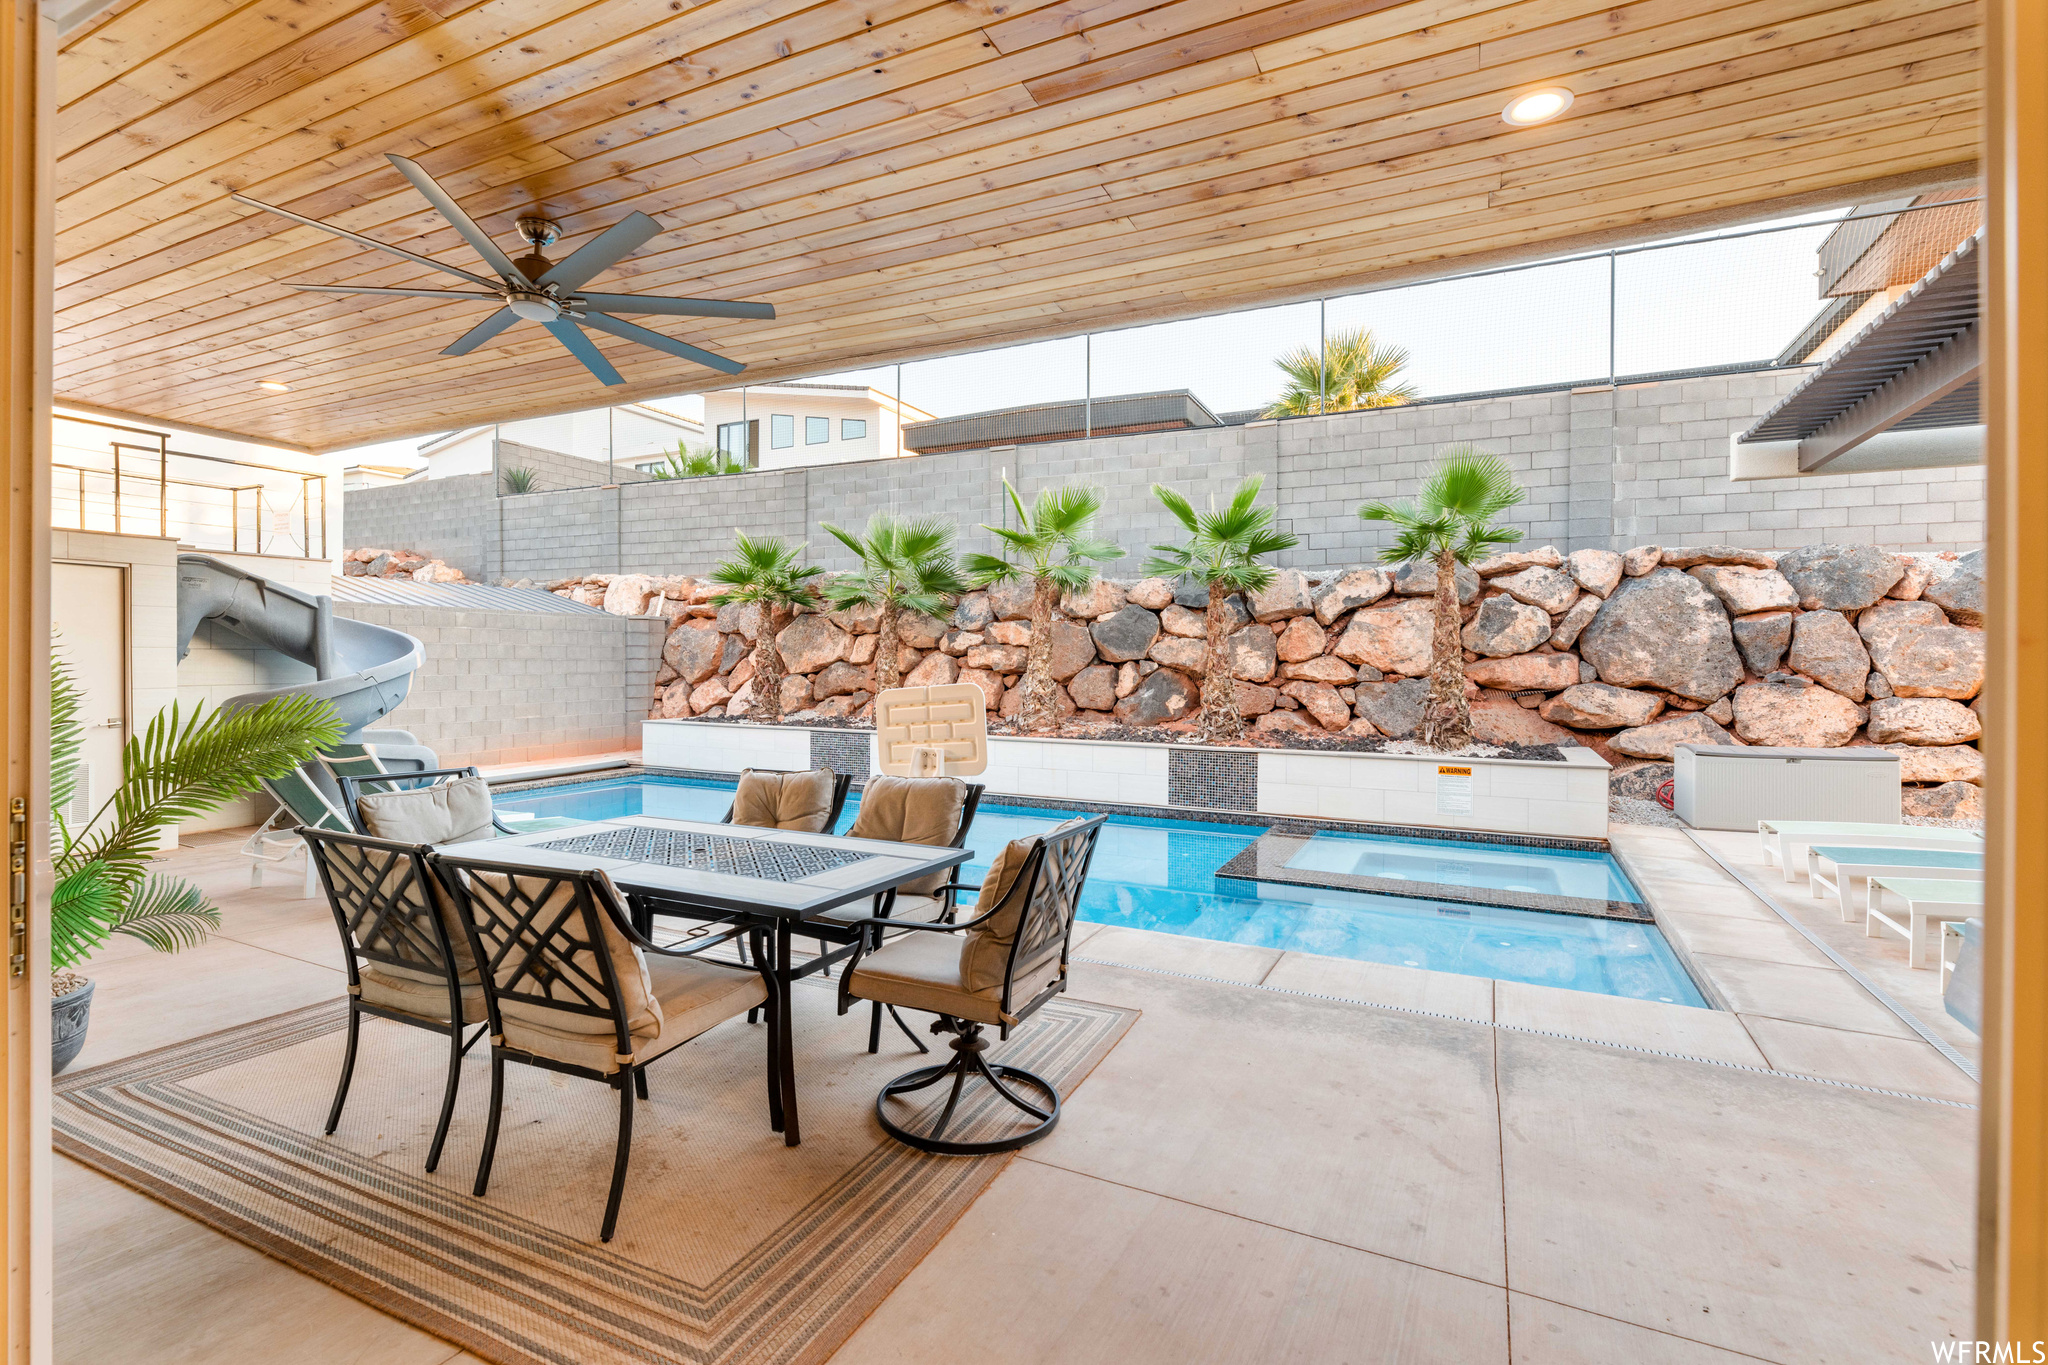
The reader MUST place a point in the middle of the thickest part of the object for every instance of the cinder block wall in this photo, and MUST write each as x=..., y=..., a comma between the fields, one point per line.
x=1644, y=464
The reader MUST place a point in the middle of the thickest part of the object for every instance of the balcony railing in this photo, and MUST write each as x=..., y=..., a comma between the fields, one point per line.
x=129, y=481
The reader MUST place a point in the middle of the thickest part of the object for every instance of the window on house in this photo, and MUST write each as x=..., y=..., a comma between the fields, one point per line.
x=817, y=430
x=739, y=440
x=781, y=431
x=853, y=429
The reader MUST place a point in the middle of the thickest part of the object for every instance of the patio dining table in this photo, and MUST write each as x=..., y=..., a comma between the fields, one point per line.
x=768, y=881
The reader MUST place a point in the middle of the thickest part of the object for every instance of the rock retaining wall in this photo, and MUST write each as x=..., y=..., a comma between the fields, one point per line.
x=1628, y=653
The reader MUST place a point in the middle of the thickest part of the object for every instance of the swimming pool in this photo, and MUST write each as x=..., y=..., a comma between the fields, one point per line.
x=1160, y=874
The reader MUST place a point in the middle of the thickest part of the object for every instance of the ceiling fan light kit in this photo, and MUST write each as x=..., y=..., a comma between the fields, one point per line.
x=536, y=289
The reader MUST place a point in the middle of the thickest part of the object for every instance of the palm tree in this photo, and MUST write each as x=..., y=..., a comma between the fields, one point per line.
x=1222, y=554
x=1450, y=524
x=1051, y=546
x=1353, y=371
x=767, y=573
x=905, y=566
x=176, y=770
x=685, y=463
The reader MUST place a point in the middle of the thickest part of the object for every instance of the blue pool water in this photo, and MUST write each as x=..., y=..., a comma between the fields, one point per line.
x=1161, y=875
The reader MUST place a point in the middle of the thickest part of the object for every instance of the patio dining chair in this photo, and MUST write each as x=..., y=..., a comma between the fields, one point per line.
x=808, y=801
x=407, y=957
x=995, y=970
x=392, y=793
x=570, y=987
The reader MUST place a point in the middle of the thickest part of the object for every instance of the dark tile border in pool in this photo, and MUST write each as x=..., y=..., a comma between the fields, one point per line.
x=1265, y=860
x=1279, y=823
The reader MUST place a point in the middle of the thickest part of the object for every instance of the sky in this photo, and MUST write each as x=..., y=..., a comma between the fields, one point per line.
x=1730, y=297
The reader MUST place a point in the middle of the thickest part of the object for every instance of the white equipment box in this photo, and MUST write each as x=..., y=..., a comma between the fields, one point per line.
x=932, y=731
x=1732, y=786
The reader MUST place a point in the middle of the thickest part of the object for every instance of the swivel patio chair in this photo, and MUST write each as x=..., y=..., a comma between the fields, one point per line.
x=569, y=986
x=407, y=956
x=807, y=801
x=995, y=970
x=462, y=789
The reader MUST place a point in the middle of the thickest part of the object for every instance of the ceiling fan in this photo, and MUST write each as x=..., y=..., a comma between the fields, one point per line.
x=537, y=289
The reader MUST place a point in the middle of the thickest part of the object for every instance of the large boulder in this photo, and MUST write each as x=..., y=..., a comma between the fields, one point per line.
x=1073, y=649
x=1640, y=560
x=739, y=618
x=692, y=653
x=1184, y=622
x=1514, y=561
x=1504, y=626
x=1125, y=634
x=1417, y=578
x=1795, y=715
x=1275, y=724
x=1287, y=596
x=1321, y=701
x=934, y=670
x=1540, y=587
x=836, y=680
x=1093, y=688
x=1923, y=720
x=674, y=703
x=1101, y=597
x=919, y=631
x=1949, y=801
x=1010, y=633
x=1744, y=590
x=1597, y=571
x=796, y=693
x=1574, y=622
x=1394, y=708
x=1961, y=594
x=1664, y=630
x=1011, y=601
x=862, y=619
x=1393, y=639
x=627, y=594
x=990, y=683
x=1840, y=577
x=1164, y=696
x=1931, y=661
x=1762, y=640
x=1939, y=762
x=1503, y=722
x=1890, y=616
x=808, y=643
x=1255, y=699
x=1526, y=673
x=1598, y=706
x=972, y=612
x=1327, y=668
x=1153, y=594
x=1826, y=648
x=997, y=658
x=1252, y=653
x=1177, y=651
x=1301, y=640
x=1350, y=590
x=706, y=695
x=1687, y=556
x=1658, y=739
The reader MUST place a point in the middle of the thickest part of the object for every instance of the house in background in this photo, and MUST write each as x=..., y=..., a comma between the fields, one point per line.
x=1118, y=414
x=783, y=426
x=626, y=443
x=378, y=475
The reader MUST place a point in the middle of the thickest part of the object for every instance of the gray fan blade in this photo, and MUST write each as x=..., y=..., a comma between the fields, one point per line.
x=603, y=251
x=358, y=237
x=631, y=332
x=406, y=293
x=452, y=211
x=482, y=332
x=682, y=308
x=580, y=346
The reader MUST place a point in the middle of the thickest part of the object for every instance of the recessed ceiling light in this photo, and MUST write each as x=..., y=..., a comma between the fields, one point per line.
x=273, y=386
x=1537, y=106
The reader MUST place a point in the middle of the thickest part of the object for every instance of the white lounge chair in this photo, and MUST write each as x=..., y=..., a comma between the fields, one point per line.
x=1856, y=863
x=1931, y=903
x=1784, y=839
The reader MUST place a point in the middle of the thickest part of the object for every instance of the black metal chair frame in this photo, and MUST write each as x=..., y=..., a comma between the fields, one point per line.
x=373, y=922
x=1053, y=877
x=352, y=791
x=837, y=940
x=535, y=963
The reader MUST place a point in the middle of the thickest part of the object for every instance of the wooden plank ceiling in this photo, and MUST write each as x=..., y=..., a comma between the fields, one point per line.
x=900, y=178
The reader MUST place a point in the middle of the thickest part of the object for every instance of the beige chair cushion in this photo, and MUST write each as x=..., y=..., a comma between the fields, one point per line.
x=446, y=813
x=799, y=801
x=394, y=989
x=693, y=997
x=922, y=971
x=924, y=908
x=642, y=1004
x=986, y=954
x=349, y=883
x=912, y=810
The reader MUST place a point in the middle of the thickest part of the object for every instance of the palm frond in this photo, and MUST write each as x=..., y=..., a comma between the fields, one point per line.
x=167, y=913
x=67, y=730
x=1178, y=505
x=81, y=904
x=1352, y=370
x=985, y=569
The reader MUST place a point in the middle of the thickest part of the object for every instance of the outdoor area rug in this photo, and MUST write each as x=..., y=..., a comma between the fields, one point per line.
x=732, y=1249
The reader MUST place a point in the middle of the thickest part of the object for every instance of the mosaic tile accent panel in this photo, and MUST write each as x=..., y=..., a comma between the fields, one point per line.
x=843, y=751
x=1212, y=779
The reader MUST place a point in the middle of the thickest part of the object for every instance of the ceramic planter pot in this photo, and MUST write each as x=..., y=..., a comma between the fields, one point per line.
x=69, y=1015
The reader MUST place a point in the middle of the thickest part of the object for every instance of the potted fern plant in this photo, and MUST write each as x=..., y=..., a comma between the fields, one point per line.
x=178, y=769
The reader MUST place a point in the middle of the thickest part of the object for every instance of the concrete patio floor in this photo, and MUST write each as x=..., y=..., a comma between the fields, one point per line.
x=1288, y=1159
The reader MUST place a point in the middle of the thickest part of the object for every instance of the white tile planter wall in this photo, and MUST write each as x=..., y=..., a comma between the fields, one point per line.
x=1507, y=796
